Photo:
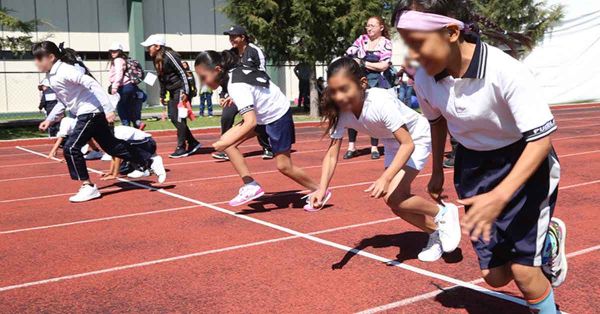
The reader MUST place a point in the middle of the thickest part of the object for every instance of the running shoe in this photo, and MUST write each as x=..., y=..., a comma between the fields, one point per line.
x=179, y=153
x=194, y=148
x=375, y=155
x=106, y=157
x=449, y=162
x=220, y=155
x=247, y=193
x=158, y=168
x=267, y=154
x=449, y=227
x=93, y=155
x=86, y=192
x=136, y=174
x=554, y=257
x=433, y=250
x=309, y=208
x=350, y=154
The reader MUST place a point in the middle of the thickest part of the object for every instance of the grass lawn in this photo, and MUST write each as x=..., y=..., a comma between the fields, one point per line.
x=9, y=133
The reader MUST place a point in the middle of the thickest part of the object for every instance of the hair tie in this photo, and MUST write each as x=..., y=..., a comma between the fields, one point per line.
x=61, y=47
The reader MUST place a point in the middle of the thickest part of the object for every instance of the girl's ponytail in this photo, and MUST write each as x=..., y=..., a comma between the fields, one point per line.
x=226, y=60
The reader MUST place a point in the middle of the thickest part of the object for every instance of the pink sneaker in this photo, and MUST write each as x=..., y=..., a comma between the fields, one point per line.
x=247, y=193
x=308, y=207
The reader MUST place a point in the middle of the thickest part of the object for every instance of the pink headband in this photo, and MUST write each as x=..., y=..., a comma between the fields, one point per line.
x=422, y=21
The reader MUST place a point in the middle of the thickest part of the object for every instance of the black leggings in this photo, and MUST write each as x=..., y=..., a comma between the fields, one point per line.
x=352, y=134
x=184, y=135
x=227, y=120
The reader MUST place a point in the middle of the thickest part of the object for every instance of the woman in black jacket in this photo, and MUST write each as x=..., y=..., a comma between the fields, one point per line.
x=173, y=79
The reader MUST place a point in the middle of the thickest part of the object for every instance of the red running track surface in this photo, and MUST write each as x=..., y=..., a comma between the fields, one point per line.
x=180, y=248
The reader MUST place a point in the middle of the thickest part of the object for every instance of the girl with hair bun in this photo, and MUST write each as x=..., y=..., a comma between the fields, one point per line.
x=264, y=108
x=506, y=172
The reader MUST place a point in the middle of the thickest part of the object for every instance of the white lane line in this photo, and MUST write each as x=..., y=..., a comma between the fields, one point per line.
x=574, y=137
x=86, y=221
x=250, y=157
x=321, y=241
x=27, y=164
x=57, y=195
x=434, y=293
x=35, y=177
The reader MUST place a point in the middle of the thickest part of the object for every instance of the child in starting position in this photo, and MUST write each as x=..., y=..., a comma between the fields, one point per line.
x=143, y=144
x=89, y=103
x=505, y=170
x=264, y=109
x=349, y=103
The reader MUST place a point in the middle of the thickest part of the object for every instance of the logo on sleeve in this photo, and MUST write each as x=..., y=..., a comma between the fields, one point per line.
x=544, y=128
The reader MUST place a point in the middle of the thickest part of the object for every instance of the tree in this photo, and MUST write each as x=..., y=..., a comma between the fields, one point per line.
x=316, y=31
x=20, y=41
x=311, y=31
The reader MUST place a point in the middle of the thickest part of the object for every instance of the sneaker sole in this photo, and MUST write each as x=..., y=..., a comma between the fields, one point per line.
x=249, y=200
x=455, y=217
x=563, y=256
x=195, y=149
x=219, y=158
x=180, y=156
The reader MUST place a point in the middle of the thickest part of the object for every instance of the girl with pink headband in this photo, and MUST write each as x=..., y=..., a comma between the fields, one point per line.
x=506, y=171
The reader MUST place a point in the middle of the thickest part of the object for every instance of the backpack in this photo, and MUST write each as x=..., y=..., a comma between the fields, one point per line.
x=134, y=71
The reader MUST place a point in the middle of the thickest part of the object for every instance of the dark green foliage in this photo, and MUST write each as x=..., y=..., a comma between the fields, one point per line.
x=20, y=40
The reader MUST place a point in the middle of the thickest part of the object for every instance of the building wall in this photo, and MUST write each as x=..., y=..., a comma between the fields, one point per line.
x=90, y=26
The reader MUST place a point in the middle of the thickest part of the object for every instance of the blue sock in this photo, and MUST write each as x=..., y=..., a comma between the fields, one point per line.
x=545, y=304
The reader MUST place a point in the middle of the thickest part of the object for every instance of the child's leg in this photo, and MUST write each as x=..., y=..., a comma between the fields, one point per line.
x=286, y=167
x=114, y=146
x=237, y=158
x=352, y=134
x=82, y=133
x=400, y=199
x=535, y=287
x=498, y=276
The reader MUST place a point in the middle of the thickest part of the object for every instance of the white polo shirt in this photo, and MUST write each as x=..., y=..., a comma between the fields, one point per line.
x=381, y=116
x=496, y=103
x=269, y=103
x=127, y=133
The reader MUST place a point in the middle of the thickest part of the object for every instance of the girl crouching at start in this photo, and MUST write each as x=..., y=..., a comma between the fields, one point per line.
x=350, y=104
x=264, y=108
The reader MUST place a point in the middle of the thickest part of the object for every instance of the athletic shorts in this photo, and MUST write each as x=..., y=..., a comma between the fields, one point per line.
x=417, y=159
x=519, y=232
x=281, y=133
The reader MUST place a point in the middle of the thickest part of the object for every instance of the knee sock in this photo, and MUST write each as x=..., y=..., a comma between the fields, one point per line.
x=544, y=304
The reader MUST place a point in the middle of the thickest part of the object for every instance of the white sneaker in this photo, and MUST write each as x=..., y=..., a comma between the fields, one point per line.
x=159, y=169
x=247, y=193
x=136, y=174
x=93, y=155
x=106, y=157
x=554, y=258
x=433, y=250
x=86, y=192
x=449, y=227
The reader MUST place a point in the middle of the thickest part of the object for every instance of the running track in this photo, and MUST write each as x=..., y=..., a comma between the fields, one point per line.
x=180, y=248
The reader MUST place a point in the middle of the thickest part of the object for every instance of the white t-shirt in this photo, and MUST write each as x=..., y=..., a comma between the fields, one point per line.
x=127, y=133
x=66, y=127
x=270, y=103
x=496, y=103
x=381, y=116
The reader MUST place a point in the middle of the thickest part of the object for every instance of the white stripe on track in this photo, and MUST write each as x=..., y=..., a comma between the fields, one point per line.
x=434, y=293
x=310, y=238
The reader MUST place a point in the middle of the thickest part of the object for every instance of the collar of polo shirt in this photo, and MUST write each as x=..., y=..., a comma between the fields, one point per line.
x=477, y=66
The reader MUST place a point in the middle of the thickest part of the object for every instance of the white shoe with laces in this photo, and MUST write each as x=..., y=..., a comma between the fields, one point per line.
x=247, y=193
x=449, y=227
x=136, y=174
x=433, y=250
x=158, y=168
x=86, y=192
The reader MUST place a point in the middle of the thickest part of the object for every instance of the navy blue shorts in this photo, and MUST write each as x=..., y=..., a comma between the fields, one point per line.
x=281, y=133
x=519, y=232
x=145, y=148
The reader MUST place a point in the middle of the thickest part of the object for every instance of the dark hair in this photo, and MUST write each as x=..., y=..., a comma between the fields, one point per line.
x=121, y=54
x=159, y=59
x=386, y=32
x=66, y=55
x=464, y=10
x=330, y=113
x=225, y=59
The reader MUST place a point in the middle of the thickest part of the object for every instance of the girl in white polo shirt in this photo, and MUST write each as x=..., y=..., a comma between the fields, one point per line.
x=264, y=109
x=349, y=103
x=506, y=171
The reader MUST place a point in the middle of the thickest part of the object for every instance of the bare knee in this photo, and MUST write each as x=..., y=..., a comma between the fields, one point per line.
x=496, y=277
x=524, y=275
x=285, y=168
x=395, y=200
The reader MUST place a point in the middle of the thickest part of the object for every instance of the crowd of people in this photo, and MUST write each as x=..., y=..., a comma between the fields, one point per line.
x=506, y=172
